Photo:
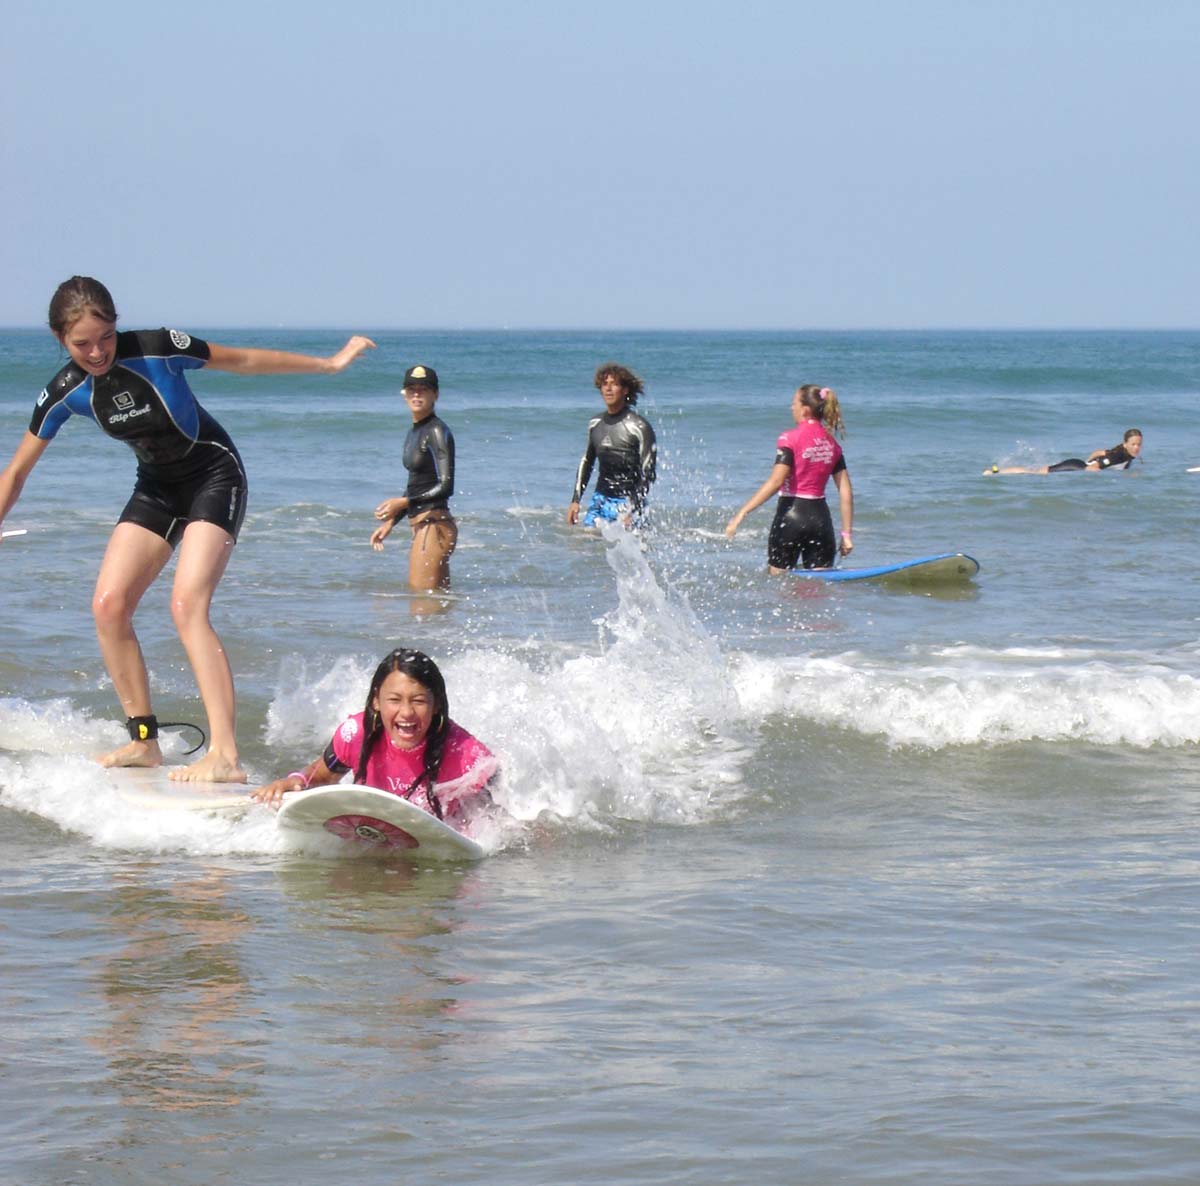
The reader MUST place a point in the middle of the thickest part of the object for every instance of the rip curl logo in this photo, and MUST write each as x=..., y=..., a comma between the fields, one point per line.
x=181, y=340
x=123, y=400
x=349, y=730
x=121, y=417
x=44, y=396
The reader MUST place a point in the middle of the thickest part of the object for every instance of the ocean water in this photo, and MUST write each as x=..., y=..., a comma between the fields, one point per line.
x=800, y=883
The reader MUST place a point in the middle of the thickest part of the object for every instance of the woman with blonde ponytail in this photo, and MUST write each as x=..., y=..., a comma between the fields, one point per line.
x=806, y=457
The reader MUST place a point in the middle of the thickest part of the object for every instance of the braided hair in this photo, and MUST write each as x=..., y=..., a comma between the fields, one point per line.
x=822, y=402
x=419, y=667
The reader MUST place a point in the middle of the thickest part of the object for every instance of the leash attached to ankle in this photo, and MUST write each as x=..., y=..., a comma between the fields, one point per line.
x=142, y=728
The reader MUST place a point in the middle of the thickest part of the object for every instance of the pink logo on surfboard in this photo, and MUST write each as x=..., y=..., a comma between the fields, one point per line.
x=366, y=829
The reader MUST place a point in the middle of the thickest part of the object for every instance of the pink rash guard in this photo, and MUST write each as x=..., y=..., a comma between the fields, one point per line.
x=814, y=456
x=467, y=765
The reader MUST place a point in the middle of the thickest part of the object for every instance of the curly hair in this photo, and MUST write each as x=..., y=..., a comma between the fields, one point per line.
x=623, y=375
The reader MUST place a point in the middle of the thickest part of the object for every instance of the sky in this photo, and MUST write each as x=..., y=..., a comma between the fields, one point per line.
x=383, y=164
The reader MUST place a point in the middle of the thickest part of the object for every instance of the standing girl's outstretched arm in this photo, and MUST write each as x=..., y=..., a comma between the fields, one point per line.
x=250, y=360
x=771, y=487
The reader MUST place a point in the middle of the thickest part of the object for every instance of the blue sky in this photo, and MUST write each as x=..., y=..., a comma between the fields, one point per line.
x=459, y=164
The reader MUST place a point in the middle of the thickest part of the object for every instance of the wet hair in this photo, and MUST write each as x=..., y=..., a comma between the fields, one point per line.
x=420, y=667
x=623, y=375
x=1131, y=432
x=77, y=297
x=822, y=402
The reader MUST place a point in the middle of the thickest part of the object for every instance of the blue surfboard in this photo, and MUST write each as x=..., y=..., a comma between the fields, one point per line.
x=945, y=568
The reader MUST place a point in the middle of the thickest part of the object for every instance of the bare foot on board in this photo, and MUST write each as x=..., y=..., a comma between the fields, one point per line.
x=210, y=768
x=133, y=753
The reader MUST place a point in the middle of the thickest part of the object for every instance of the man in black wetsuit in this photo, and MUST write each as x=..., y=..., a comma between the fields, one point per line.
x=623, y=442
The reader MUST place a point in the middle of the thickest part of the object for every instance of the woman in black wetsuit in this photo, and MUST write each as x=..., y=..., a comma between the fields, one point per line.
x=190, y=496
x=1120, y=456
x=429, y=459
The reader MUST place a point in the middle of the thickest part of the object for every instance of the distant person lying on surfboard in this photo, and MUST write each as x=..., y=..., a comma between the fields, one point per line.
x=1118, y=457
x=806, y=457
x=190, y=493
x=623, y=443
x=403, y=742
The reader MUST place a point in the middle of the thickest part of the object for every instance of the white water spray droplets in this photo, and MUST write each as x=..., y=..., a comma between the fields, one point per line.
x=646, y=728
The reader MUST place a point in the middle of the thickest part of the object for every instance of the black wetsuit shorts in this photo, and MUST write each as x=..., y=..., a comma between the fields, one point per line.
x=217, y=494
x=801, y=533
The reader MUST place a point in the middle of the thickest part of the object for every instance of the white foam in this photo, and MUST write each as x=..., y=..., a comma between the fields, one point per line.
x=646, y=727
x=975, y=697
x=77, y=795
x=58, y=727
x=652, y=723
x=304, y=712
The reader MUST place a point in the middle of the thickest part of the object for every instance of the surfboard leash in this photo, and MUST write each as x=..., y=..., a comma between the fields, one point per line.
x=186, y=725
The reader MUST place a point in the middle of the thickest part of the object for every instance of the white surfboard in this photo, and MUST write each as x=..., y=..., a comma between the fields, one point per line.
x=153, y=788
x=364, y=815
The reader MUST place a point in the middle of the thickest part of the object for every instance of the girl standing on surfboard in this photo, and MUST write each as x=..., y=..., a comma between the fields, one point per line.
x=806, y=457
x=190, y=494
x=404, y=742
x=429, y=458
x=1120, y=456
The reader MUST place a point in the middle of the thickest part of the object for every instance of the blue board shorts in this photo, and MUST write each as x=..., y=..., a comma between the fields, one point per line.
x=603, y=507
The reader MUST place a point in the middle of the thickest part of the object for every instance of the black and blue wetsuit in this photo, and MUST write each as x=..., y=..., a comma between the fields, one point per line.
x=429, y=459
x=624, y=445
x=187, y=467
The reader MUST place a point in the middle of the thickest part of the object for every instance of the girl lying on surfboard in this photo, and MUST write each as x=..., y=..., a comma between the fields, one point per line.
x=404, y=742
x=806, y=457
x=1118, y=457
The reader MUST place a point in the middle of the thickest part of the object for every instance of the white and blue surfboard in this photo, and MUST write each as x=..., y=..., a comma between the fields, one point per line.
x=944, y=569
